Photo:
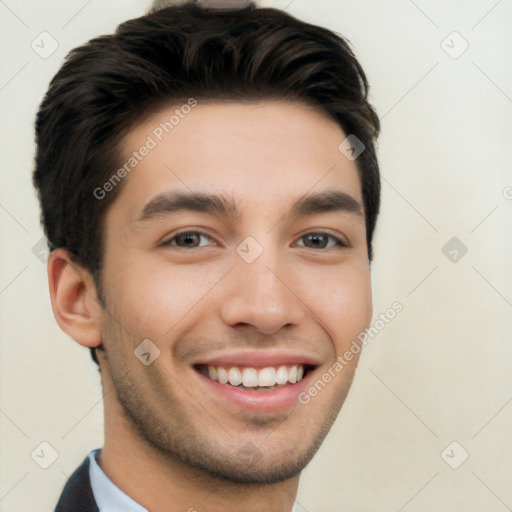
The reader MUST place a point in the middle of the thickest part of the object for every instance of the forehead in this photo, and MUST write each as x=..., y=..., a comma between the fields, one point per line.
x=261, y=152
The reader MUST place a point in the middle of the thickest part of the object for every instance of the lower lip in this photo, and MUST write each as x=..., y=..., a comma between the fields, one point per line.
x=263, y=401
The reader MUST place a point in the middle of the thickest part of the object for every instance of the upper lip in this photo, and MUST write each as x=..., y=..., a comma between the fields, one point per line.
x=260, y=359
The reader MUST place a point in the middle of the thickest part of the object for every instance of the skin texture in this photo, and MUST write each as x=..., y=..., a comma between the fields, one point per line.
x=171, y=443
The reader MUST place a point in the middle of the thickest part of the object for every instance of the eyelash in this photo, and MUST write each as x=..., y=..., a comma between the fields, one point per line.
x=338, y=242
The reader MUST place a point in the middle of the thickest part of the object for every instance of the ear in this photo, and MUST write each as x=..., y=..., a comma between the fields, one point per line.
x=74, y=299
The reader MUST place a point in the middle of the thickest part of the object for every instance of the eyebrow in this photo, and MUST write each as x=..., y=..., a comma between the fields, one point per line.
x=166, y=202
x=328, y=201
x=224, y=206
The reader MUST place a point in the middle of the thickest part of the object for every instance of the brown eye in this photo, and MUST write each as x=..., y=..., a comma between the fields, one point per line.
x=188, y=240
x=320, y=241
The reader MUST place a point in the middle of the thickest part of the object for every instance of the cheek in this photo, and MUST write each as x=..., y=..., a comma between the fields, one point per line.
x=154, y=301
x=344, y=304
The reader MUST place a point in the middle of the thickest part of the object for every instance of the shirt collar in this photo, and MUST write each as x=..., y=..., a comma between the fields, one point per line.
x=108, y=496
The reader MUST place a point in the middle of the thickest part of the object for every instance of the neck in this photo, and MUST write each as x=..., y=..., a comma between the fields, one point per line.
x=161, y=483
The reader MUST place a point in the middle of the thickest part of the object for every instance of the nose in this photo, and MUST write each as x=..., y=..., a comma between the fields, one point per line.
x=262, y=294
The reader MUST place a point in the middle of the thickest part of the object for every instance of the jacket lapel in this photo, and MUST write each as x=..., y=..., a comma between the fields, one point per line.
x=77, y=494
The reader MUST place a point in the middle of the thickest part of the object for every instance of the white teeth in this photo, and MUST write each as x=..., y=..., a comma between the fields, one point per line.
x=212, y=372
x=222, y=375
x=235, y=376
x=282, y=375
x=267, y=377
x=250, y=378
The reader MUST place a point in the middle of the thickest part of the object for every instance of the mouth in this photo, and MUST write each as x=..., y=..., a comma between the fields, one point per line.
x=269, y=378
x=255, y=381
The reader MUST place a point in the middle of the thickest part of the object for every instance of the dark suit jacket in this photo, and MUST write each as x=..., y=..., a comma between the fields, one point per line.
x=77, y=494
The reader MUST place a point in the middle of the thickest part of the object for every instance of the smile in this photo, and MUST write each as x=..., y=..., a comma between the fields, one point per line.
x=269, y=378
x=264, y=382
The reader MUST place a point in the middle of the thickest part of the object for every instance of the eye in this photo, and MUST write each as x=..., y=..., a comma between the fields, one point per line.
x=189, y=240
x=319, y=240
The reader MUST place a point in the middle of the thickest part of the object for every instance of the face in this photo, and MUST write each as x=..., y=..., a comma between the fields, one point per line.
x=237, y=246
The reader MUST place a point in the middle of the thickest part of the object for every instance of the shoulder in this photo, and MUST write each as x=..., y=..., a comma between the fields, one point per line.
x=77, y=494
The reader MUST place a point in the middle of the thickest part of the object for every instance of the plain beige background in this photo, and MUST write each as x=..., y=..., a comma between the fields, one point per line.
x=438, y=373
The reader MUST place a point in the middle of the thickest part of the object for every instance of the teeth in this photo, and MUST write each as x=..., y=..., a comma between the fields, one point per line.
x=235, y=376
x=267, y=377
x=250, y=377
x=222, y=375
x=282, y=375
x=292, y=374
x=212, y=372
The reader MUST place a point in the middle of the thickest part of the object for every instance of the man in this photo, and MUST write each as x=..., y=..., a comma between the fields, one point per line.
x=209, y=190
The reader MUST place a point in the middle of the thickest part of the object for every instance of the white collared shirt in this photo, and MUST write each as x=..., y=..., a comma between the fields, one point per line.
x=108, y=496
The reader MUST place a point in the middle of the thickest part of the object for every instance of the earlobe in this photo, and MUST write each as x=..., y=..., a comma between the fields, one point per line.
x=74, y=299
